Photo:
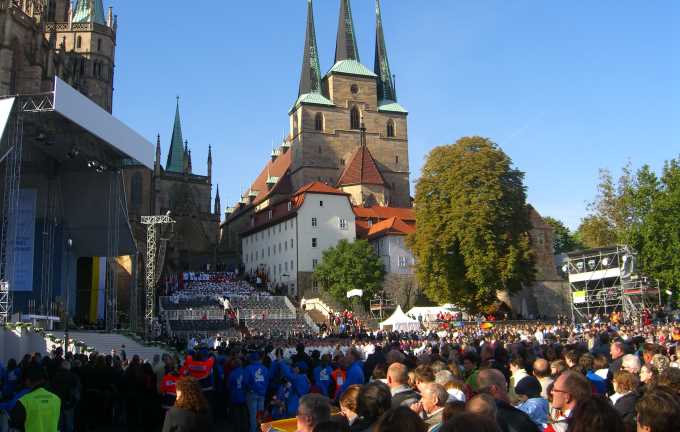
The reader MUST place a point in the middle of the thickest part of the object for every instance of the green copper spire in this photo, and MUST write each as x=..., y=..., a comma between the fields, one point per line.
x=176, y=153
x=346, y=44
x=386, y=90
x=310, y=77
x=89, y=11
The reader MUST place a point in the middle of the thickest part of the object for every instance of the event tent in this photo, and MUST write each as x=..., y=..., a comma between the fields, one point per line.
x=400, y=322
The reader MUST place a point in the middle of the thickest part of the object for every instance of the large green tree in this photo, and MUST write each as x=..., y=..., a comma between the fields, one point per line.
x=563, y=239
x=349, y=266
x=659, y=234
x=473, y=222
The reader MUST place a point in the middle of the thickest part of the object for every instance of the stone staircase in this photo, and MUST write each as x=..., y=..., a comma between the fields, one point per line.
x=104, y=342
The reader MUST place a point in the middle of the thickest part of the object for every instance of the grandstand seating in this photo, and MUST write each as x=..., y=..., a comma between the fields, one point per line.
x=185, y=302
x=198, y=326
x=278, y=326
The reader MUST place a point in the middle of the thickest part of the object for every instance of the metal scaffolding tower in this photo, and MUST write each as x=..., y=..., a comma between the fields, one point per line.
x=605, y=280
x=152, y=223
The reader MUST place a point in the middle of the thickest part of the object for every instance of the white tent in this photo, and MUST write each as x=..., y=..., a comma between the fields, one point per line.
x=400, y=322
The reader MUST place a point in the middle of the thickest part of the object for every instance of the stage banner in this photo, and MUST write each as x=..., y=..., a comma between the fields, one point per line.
x=579, y=297
x=24, y=245
x=5, y=111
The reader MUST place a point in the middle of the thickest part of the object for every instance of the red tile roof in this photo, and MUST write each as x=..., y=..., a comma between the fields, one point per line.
x=277, y=168
x=406, y=214
x=318, y=187
x=393, y=225
x=361, y=170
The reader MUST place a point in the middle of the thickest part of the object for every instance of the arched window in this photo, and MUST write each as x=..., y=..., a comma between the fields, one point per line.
x=136, y=191
x=355, y=118
x=318, y=122
x=79, y=42
x=390, y=129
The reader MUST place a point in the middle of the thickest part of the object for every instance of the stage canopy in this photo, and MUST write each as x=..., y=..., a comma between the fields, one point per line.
x=400, y=322
x=74, y=150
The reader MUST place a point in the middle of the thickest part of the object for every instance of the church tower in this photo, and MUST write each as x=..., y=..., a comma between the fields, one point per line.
x=350, y=114
x=86, y=38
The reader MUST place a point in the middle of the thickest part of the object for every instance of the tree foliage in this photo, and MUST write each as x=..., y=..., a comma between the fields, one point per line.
x=563, y=241
x=640, y=210
x=349, y=266
x=473, y=222
x=659, y=234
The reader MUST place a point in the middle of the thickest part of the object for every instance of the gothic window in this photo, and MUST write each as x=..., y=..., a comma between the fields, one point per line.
x=79, y=42
x=390, y=129
x=99, y=44
x=318, y=122
x=355, y=118
x=396, y=159
x=136, y=191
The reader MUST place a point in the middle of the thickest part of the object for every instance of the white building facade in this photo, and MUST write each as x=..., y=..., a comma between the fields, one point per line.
x=286, y=240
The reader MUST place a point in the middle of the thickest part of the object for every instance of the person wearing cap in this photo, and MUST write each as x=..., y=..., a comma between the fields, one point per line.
x=38, y=410
x=257, y=382
x=528, y=390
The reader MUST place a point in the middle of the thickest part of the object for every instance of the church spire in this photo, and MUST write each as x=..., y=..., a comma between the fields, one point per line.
x=210, y=164
x=217, y=202
x=89, y=11
x=157, y=162
x=386, y=90
x=346, y=44
x=310, y=77
x=176, y=153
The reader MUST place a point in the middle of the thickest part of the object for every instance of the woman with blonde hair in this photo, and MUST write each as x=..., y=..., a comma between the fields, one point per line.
x=191, y=412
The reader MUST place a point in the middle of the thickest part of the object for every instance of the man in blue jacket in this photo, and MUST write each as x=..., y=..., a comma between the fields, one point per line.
x=322, y=374
x=355, y=372
x=296, y=386
x=236, y=386
x=257, y=381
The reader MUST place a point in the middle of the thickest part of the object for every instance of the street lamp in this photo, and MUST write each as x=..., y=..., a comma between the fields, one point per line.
x=69, y=246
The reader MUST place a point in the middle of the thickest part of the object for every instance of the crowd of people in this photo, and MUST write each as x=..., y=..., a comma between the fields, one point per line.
x=511, y=377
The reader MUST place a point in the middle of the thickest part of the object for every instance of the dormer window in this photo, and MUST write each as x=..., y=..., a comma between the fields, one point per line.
x=290, y=206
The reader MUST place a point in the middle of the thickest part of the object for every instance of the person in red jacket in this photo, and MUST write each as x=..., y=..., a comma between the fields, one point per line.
x=200, y=368
x=168, y=389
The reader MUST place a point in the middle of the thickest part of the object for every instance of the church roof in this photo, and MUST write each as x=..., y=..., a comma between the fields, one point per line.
x=351, y=67
x=175, y=161
x=362, y=169
x=391, y=106
x=386, y=89
x=391, y=226
x=346, y=43
x=312, y=99
x=310, y=76
x=89, y=11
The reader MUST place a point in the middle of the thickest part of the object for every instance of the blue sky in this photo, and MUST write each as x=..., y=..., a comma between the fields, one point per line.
x=564, y=87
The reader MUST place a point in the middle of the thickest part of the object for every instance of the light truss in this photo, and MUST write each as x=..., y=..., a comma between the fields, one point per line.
x=152, y=224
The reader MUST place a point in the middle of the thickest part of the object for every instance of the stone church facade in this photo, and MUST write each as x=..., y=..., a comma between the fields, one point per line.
x=42, y=39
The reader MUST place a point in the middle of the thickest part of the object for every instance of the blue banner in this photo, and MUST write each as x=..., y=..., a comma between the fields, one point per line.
x=24, y=245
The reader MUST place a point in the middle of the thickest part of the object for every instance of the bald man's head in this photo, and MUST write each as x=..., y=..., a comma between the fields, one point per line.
x=397, y=375
x=482, y=404
x=541, y=368
x=492, y=381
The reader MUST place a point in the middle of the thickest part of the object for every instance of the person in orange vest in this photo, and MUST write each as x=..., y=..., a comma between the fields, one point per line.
x=168, y=388
x=339, y=376
x=200, y=367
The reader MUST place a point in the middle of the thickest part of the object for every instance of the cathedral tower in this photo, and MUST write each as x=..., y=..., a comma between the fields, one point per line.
x=86, y=36
x=349, y=114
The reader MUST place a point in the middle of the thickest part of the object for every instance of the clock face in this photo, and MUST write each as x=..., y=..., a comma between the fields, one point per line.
x=354, y=89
